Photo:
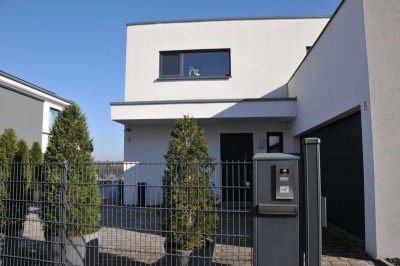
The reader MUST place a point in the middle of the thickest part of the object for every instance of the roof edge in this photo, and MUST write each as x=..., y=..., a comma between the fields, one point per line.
x=224, y=19
x=317, y=40
x=33, y=86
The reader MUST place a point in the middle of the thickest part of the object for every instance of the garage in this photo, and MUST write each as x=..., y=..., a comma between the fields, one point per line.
x=342, y=180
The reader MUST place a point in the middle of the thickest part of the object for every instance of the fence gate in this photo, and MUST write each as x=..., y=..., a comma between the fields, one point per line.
x=124, y=214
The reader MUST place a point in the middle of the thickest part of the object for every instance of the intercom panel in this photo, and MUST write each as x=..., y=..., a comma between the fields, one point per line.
x=284, y=182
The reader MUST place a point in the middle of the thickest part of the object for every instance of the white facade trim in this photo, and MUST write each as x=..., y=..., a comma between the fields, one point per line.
x=272, y=109
x=32, y=91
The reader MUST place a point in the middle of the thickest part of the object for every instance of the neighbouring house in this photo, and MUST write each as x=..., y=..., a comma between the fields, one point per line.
x=27, y=108
x=263, y=84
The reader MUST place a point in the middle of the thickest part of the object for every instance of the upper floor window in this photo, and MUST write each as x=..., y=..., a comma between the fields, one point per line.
x=52, y=117
x=195, y=64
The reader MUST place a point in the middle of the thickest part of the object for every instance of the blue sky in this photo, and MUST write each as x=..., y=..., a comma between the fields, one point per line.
x=76, y=48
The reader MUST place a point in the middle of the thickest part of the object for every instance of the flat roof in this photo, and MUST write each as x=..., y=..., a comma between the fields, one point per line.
x=33, y=86
x=224, y=19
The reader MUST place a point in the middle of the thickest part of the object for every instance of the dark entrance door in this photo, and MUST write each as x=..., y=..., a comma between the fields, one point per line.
x=236, y=177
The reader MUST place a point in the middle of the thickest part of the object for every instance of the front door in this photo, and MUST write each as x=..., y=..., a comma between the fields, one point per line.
x=236, y=157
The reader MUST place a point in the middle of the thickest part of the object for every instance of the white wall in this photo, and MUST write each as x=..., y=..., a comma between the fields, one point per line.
x=382, y=25
x=332, y=81
x=237, y=109
x=148, y=143
x=264, y=53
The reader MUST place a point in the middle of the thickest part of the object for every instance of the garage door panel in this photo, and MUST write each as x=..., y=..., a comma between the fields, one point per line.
x=342, y=179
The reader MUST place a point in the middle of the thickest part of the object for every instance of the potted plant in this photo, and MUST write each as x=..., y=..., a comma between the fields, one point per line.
x=69, y=141
x=190, y=216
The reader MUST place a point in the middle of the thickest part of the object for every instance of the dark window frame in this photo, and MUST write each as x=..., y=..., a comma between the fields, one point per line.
x=275, y=134
x=181, y=75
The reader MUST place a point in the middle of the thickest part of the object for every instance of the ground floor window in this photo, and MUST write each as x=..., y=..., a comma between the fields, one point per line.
x=274, y=142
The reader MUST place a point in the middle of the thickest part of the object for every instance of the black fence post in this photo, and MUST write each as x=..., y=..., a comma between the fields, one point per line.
x=63, y=213
x=312, y=176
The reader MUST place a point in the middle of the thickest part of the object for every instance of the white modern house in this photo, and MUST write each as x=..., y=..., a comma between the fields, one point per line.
x=27, y=108
x=263, y=84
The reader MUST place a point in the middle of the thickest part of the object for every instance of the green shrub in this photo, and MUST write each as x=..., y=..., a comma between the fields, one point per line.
x=69, y=141
x=14, y=175
x=8, y=149
x=36, y=159
x=187, y=190
x=19, y=182
x=35, y=153
x=9, y=144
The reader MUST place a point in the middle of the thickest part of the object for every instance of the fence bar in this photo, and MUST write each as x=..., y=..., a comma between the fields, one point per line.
x=63, y=213
x=313, y=201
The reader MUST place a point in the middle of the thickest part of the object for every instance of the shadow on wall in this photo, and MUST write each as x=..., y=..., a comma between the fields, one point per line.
x=256, y=107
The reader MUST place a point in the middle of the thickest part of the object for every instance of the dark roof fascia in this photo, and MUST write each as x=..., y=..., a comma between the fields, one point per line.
x=33, y=86
x=316, y=41
x=224, y=19
x=204, y=101
x=21, y=93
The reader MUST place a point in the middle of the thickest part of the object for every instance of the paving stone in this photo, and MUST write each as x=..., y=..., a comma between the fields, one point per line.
x=129, y=236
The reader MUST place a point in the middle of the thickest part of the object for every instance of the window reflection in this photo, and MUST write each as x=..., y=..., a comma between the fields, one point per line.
x=53, y=116
x=206, y=63
x=274, y=142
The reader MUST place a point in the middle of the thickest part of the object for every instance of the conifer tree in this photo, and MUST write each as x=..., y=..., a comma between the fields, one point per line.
x=19, y=182
x=9, y=144
x=35, y=153
x=8, y=149
x=22, y=157
x=36, y=159
x=188, y=198
x=69, y=141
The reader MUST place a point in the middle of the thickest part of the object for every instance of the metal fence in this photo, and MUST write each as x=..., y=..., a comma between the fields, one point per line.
x=126, y=214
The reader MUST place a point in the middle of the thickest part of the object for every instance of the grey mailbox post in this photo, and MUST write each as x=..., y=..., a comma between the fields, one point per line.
x=276, y=209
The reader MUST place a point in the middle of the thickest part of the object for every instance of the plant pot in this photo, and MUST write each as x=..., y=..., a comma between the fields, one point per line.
x=79, y=250
x=201, y=256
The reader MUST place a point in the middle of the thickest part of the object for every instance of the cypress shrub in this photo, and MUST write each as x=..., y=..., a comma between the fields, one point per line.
x=189, y=202
x=8, y=149
x=69, y=141
x=19, y=182
x=36, y=159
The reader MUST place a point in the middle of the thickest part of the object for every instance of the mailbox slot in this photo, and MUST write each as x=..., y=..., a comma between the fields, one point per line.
x=269, y=209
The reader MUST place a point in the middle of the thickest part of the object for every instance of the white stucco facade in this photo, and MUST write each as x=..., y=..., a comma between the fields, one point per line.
x=354, y=66
x=253, y=100
x=148, y=143
x=275, y=86
x=264, y=53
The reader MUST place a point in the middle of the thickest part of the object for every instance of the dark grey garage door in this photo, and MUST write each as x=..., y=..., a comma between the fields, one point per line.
x=342, y=172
